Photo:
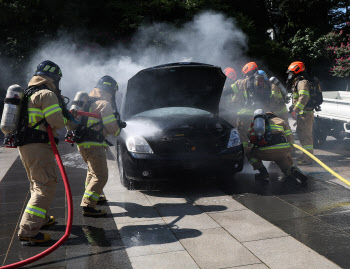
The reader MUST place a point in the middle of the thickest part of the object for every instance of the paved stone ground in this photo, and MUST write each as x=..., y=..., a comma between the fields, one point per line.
x=243, y=224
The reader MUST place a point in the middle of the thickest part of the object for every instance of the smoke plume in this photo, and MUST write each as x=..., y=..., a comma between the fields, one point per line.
x=209, y=38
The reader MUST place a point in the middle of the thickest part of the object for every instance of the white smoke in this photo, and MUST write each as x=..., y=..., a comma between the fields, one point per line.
x=210, y=38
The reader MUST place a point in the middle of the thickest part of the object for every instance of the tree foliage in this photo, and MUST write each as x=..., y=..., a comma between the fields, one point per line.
x=300, y=26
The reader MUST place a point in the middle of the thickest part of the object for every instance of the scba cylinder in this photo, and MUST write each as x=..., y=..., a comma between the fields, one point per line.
x=275, y=81
x=259, y=123
x=80, y=99
x=12, y=109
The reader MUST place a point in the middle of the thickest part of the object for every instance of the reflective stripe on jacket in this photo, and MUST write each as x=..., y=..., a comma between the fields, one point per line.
x=301, y=95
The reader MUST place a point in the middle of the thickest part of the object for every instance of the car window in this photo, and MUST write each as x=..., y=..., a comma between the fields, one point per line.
x=169, y=111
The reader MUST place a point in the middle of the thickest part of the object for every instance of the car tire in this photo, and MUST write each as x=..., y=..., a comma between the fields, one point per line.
x=319, y=133
x=124, y=180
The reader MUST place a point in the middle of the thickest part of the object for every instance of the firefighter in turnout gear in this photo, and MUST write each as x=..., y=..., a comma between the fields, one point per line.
x=44, y=107
x=272, y=140
x=278, y=99
x=93, y=146
x=301, y=112
x=227, y=107
x=250, y=93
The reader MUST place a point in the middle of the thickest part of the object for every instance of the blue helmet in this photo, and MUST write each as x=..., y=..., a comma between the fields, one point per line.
x=50, y=69
x=262, y=72
x=108, y=84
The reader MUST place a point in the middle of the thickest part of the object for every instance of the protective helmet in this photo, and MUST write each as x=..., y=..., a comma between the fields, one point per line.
x=249, y=67
x=50, y=69
x=296, y=67
x=230, y=73
x=108, y=84
x=262, y=72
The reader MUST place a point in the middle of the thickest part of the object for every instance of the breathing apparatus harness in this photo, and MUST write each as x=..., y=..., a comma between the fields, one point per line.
x=87, y=133
x=268, y=138
x=28, y=135
x=258, y=90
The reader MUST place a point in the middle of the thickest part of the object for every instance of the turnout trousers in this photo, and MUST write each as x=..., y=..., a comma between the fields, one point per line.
x=305, y=123
x=282, y=157
x=39, y=162
x=97, y=173
x=243, y=125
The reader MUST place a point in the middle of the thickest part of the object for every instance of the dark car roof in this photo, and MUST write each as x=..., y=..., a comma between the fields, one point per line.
x=185, y=84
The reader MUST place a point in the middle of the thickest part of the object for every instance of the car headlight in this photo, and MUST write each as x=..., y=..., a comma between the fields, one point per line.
x=138, y=144
x=234, y=139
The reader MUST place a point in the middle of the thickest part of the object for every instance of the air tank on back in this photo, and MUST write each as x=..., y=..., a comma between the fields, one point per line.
x=80, y=99
x=275, y=81
x=259, y=123
x=12, y=109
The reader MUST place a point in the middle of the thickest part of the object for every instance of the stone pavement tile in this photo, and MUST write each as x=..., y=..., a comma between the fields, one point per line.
x=159, y=199
x=10, y=217
x=7, y=157
x=337, y=194
x=12, y=207
x=287, y=252
x=186, y=216
x=315, y=204
x=207, y=203
x=112, y=258
x=216, y=248
x=16, y=172
x=271, y=208
x=204, y=192
x=148, y=237
x=18, y=194
x=7, y=229
x=123, y=195
x=341, y=220
x=4, y=244
x=129, y=212
x=245, y=225
x=326, y=239
x=169, y=260
x=252, y=266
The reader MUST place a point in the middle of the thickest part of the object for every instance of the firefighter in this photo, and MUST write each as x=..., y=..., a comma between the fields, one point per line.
x=227, y=106
x=303, y=114
x=271, y=141
x=278, y=102
x=250, y=93
x=93, y=148
x=44, y=107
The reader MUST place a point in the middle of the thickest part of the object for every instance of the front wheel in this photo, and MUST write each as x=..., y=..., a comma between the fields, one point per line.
x=319, y=134
x=124, y=180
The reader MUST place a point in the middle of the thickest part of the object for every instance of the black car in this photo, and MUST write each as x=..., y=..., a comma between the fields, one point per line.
x=173, y=127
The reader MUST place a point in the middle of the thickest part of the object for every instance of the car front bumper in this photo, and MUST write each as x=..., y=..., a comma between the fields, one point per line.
x=151, y=167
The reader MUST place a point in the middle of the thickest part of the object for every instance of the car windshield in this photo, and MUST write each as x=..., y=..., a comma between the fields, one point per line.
x=169, y=111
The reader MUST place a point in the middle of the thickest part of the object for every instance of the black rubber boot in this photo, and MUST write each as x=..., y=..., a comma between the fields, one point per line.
x=50, y=222
x=39, y=238
x=102, y=199
x=90, y=211
x=299, y=176
x=263, y=173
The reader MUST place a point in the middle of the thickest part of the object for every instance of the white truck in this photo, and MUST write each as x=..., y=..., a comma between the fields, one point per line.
x=334, y=117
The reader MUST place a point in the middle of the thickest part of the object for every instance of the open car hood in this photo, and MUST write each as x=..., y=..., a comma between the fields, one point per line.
x=174, y=85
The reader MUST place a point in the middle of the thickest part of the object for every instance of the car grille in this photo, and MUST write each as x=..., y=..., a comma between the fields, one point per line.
x=196, y=144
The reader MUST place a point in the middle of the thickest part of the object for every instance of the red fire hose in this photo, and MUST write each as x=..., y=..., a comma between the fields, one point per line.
x=70, y=210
